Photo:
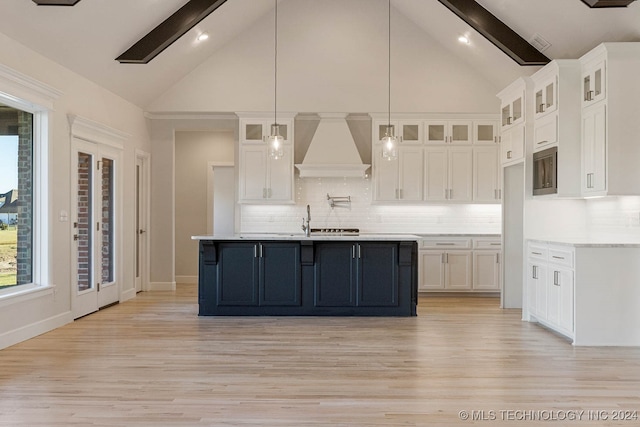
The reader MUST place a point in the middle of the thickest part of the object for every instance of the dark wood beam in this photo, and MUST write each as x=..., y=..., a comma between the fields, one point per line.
x=55, y=2
x=607, y=3
x=496, y=31
x=170, y=30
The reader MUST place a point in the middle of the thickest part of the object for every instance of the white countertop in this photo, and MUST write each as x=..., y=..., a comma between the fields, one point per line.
x=315, y=237
x=596, y=241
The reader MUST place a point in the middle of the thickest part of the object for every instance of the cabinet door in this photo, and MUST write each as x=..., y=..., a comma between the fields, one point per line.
x=377, y=274
x=280, y=177
x=532, y=288
x=334, y=274
x=458, y=270
x=436, y=132
x=380, y=127
x=436, y=174
x=253, y=172
x=410, y=132
x=238, y=274
x=594, y=149
x=566, y=305
x=410, y=167
x=594, y=83
x=545, y=132
x=253, y=131
x=512, y=148
x=431, y=270
x=460, y=132
x=280, y=273
x=486, y=270
x=486, y=179
x=460, y=165
x=545, y=97
x=385, y=176
x=485, y=132
x=541, y=291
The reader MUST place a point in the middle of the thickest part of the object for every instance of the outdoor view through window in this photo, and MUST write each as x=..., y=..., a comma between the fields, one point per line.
x=16, y=191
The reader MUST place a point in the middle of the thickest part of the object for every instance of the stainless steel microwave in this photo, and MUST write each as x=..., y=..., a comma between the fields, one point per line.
x=545, y=172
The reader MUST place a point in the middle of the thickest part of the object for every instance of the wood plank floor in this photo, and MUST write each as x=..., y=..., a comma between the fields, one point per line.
x=152, y=361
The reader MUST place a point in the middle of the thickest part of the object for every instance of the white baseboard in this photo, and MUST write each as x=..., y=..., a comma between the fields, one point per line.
x=33, y=330
x=127, y=295
x=187, y=279
x=162, y=286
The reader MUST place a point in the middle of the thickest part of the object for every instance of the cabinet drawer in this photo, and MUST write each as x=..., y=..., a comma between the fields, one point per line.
x=445, y=244
x=561, y=256
x=537, y=252
x=545, y=132
x=487, y=243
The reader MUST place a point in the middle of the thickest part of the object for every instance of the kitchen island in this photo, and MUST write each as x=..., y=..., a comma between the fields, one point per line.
x=322, y=275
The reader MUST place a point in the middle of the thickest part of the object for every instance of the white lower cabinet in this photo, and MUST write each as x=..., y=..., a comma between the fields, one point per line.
x=550, y=286
x=459, y=264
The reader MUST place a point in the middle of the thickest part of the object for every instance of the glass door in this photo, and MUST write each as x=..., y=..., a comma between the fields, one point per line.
x=94, y=238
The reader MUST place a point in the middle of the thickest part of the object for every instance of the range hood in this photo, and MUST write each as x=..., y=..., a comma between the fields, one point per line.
x=332, y=152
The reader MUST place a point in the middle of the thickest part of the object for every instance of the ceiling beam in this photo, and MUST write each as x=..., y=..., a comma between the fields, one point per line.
x=170, y=30
x=55, y=2
x=496, y=31
x=607, y=3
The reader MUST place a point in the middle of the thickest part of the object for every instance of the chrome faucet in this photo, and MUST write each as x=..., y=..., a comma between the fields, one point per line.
x=307, y=228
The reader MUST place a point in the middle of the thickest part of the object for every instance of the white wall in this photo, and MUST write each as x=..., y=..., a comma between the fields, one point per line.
x=332, y=58
x=80, y=97
x=194, y=150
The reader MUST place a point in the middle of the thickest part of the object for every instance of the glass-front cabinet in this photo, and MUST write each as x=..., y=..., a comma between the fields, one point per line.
x=513, y=111
x=593, y=83
x=448, y=132
x=545, y=97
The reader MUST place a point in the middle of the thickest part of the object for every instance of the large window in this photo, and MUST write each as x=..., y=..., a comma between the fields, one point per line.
x=16, y=196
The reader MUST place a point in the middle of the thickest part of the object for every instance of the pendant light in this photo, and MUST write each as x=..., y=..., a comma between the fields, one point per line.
x=275, y=140
x=389, y=140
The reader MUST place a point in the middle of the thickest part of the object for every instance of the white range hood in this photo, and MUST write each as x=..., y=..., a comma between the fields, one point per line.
x=332, y=152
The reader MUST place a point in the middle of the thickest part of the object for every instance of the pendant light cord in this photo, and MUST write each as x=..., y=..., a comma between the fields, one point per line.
x=275, y=68
x=389, y=70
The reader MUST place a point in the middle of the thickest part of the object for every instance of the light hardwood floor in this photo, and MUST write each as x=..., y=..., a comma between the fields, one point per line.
x=153, y=362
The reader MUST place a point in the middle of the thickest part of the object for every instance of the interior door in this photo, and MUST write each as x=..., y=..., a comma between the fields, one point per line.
x=141, y=218
x=94, y=214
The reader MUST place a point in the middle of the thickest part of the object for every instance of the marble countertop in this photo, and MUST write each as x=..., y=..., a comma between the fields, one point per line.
x=315, y=237
x=595, y=241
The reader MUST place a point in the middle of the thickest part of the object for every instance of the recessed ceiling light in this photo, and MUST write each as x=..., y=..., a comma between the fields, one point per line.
x=202, y=37
x=464, y=39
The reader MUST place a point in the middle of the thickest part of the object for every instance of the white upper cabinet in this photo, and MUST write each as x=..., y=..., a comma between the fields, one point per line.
x=408, y=131
x=487, y=185
x=512, y=110
x=512, y=146
x=262, y=179
x=448, y=132
x=486, y=132
x=448, y=174
x=545, y=96
x=400, y=179
x=516, y=121
x=610, y=120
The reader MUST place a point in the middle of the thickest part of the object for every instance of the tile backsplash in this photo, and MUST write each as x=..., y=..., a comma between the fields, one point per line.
x=614, y=214
x=362, y=214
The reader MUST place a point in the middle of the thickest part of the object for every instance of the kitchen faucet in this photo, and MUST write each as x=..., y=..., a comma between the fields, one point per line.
x=307, y=228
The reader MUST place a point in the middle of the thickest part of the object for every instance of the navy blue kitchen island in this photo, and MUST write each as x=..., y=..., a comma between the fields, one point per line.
x=291, y=275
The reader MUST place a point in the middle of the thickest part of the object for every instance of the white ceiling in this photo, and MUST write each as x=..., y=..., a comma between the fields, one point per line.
x=87, y=38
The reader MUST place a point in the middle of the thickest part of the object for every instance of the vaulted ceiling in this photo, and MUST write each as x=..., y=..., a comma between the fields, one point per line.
x=87, y=37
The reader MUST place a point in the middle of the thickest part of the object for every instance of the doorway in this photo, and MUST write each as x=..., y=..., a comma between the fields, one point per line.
x=142, y=190
x=96, y=226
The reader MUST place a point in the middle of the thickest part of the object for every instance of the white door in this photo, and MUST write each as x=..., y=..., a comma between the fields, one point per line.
x=460, y=174
x=253, y=172
x=435, y=171
x=458, y=269
x=431, y=270
x=410, y=173
x=486, y=179
x=386, y=177
x=142, y=222
x=95, y=227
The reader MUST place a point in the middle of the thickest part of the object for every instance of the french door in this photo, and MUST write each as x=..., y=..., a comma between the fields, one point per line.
x=96, y=226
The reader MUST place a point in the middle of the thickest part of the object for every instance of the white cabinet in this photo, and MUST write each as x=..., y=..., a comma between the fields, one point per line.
x=512, y=109
x=512, y=147
x=487, y=183
x=401, y=179
x=448, y=174
x=448, y=132
x=408, y=131
x=557, y=121
x=263, y=179
x=610, y=125
x=486, y=132
x=594, y=149
x=550, y=286
x=459, y=264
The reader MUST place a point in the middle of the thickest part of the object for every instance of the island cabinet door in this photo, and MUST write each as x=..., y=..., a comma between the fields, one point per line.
x=334, y=274
x=377, y=274
x=280, y=273
x=237, y=274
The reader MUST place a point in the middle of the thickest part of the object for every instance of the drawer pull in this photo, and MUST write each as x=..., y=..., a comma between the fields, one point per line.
x=444, y=244
x=495, y=244
x=557, y=257
x=537, y=253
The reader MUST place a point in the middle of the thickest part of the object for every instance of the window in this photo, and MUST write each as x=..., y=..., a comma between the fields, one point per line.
x=16, y=196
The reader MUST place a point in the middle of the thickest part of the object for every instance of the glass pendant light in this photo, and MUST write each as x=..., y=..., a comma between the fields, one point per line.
x=389, y=140
x=275, y=140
